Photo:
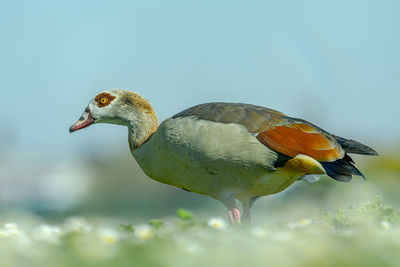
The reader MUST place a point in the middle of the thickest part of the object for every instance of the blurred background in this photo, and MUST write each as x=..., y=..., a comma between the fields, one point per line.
x=335, y=64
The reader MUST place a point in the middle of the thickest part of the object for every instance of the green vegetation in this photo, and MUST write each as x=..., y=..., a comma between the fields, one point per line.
x=184, y=214
x=134, y=221
x=366, y=234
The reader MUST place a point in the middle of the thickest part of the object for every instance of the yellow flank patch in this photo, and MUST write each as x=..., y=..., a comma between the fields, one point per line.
x=304, y=164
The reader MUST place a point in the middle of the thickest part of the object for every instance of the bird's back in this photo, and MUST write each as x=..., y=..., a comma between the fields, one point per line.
x=287, y=136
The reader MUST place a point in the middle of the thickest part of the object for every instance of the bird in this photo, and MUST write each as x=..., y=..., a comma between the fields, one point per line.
x=228, y=151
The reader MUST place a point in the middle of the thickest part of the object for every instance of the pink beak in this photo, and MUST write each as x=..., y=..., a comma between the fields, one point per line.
x=84, y=121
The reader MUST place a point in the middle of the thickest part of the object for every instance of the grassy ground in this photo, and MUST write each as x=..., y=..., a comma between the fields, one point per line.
x=306, y=225
x=366, y=234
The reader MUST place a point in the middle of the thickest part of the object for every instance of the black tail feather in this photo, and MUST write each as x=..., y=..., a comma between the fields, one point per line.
x=342, y=169
x=355, y=147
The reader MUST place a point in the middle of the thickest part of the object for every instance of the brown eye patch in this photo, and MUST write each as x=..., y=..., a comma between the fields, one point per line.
x=104, y=99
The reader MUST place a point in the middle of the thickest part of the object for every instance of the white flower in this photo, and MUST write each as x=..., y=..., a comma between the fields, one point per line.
x=10, y=230
x=386, y=225
x=77, y=225
x=144, y=232
x=4, y=233
x=10, y=226
x=49, y=233
x=300, y=224
x=258, y=232
x=109, y=235
x=305, y=222
x=216, y=223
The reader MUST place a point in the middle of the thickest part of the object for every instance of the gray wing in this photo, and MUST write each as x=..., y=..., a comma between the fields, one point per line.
x=288, y=136
x=254, y=118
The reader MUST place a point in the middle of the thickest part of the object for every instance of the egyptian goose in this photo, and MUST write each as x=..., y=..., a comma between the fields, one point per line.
x=225, y=150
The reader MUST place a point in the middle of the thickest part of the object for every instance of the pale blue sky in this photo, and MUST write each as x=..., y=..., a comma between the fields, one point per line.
x=334, y=63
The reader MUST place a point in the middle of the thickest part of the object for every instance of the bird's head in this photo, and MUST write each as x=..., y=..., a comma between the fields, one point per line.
x=122, y=107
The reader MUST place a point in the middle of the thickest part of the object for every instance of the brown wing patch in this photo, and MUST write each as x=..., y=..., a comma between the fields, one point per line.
x=300, y=138
x=289, y=136
x=104, y=99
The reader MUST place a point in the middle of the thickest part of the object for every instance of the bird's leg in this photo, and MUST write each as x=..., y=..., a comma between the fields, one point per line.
x=247, y=204
x=233, y=211
x=234, y=215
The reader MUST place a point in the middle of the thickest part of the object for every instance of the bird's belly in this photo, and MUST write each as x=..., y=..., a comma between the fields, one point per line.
x=212, y=159
x=216, y=179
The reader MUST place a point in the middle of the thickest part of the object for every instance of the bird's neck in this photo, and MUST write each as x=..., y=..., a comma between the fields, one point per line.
x=141, y=127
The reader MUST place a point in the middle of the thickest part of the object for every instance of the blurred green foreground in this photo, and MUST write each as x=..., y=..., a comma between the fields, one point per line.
x=117, y=220
x=360, y=235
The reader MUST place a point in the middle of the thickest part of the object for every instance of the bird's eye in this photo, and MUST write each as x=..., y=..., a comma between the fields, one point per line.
x=103, y=100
